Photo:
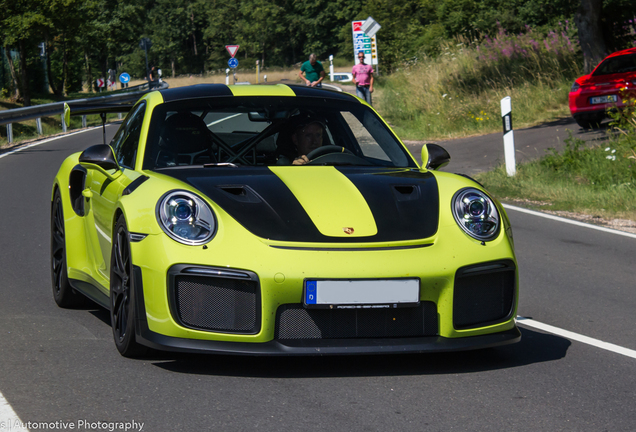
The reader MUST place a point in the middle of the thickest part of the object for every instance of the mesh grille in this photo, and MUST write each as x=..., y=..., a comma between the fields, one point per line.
x=483, y=299
x=210, y=303
x=293, y=321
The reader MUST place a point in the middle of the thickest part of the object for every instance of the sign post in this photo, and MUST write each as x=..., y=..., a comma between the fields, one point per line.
x=365, y=42
x=232, y=62
x=124, y=79
x=145, y=45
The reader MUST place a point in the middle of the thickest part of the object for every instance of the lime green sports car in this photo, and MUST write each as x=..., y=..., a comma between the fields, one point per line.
x=278, y=220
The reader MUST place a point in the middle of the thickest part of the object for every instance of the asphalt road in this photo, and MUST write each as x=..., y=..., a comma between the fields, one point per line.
x=483, y=153
x=61, y=365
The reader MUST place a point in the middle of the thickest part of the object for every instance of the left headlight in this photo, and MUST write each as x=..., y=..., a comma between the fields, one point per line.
x=186, y=218
x=476, y=214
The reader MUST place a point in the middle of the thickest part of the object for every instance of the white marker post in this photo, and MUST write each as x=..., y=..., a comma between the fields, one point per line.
x=508, y=137
x=227, y=76
x=331, y=68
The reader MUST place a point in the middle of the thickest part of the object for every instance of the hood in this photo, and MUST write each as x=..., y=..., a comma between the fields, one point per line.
x=322, y=203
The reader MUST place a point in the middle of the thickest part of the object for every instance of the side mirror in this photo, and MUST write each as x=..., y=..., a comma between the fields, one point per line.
x=434, y=156
x=101, y=158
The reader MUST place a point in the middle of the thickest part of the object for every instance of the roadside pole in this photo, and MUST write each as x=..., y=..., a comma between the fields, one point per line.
x=258, y=72
x=331, y=68
x=508, y=136
x=227, y=76
x=233, y=62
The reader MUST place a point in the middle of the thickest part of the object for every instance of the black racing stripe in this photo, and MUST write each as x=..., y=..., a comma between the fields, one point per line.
x=321, y=93
x=256, y=198
x=196, y=91
x=405, y=203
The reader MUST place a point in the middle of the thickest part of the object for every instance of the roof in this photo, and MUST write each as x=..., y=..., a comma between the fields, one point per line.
x=220, y=90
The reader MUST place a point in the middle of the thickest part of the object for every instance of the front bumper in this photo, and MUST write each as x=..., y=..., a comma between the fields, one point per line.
x=329, y=347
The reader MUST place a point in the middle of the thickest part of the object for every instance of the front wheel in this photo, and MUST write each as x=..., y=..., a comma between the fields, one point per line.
x=122, y=305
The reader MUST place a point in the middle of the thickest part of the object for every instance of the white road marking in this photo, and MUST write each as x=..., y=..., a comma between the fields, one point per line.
x=8, y=418
x=569, y=221
x=576, y=337
x=223, y=119
x=37, y=143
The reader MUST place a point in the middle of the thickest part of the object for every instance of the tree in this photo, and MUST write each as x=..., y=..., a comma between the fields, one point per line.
x=20, y=23
x=588, y=20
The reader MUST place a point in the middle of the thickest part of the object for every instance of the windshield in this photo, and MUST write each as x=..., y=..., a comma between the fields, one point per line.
x=619, y=64
x=266, y=131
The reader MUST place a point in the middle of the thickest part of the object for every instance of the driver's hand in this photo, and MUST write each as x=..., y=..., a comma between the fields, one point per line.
x=300, y=160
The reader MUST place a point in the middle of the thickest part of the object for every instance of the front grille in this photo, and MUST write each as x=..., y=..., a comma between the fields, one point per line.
x=293, y=321
x=484, y=294
x=214, y=303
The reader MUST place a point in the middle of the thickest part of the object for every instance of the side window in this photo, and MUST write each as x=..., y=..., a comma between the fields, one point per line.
x=126, y=140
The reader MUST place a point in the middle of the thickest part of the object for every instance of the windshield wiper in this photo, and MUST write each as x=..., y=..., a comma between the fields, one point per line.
x=220, y=164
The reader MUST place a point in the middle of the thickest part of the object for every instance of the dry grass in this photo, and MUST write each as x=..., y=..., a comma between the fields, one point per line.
x=289, y=76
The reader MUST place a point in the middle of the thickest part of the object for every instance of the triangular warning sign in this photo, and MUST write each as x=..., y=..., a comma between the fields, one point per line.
x=232, y=49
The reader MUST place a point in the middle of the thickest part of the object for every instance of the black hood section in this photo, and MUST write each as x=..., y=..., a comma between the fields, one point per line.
x=404, y=203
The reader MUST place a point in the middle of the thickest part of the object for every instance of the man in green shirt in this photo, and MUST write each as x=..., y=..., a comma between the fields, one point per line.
x=312, y=72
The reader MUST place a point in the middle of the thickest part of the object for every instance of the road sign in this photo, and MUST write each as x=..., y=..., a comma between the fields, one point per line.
x=100, y=82
x=124, y=78
x=370, y=27
x=232, y=49
x=233, y=63
x=365, y=43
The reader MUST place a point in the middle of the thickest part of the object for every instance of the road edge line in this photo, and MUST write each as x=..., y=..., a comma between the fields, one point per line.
x=569, y=221
x=9, y=418
x=576, y=337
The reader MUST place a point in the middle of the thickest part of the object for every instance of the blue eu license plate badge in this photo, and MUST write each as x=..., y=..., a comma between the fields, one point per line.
x=310, y=292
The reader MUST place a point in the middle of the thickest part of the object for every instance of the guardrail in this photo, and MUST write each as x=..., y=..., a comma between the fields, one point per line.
x=17, y=115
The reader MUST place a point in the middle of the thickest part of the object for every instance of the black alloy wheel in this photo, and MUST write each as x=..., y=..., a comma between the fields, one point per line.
x=63, y=294
x=122, y=305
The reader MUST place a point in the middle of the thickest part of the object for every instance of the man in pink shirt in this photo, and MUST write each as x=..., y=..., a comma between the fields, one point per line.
x=363, y=78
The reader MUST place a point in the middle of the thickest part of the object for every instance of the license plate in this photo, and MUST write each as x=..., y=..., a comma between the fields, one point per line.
x=361, y=294
x=603, y=99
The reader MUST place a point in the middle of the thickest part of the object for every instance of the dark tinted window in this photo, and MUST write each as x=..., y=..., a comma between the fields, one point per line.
x=126, y=141
x=260, y=131
x=620, y=64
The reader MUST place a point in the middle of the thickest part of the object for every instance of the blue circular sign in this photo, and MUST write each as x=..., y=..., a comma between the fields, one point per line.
x=233, y=63
x=124, y=78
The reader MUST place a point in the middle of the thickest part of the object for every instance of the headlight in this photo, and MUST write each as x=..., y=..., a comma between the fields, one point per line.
x=575, y=87
x=476, y=214
x=186, y=218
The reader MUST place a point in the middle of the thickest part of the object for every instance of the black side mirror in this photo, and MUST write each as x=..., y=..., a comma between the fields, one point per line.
x=437, y=157
x=100, y=157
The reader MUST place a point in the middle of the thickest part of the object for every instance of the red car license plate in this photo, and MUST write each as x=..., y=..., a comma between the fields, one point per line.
x=603, y=99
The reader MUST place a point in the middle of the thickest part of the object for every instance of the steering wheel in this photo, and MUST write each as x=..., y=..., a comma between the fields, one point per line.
x=321, y=151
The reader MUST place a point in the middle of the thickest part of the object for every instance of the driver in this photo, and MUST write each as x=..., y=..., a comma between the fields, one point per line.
x=306, y=138
x=306, y=135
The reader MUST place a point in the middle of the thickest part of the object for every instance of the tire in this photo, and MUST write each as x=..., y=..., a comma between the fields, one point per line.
x=122, y=305
x=63, y=294
x=591, y=122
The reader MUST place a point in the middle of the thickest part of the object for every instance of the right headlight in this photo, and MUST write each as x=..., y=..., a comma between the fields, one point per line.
x=476, y=214
x=186, y=218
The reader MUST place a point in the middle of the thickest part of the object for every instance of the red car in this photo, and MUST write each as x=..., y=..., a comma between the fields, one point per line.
x=605, y=88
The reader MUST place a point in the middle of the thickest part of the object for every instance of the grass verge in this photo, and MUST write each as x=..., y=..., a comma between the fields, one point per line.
x=598, y=181
x=458, y=93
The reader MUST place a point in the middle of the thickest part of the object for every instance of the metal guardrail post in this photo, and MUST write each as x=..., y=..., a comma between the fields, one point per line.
x=119, y=116
x=9, y=133
x=84, y=121
x=38, y=123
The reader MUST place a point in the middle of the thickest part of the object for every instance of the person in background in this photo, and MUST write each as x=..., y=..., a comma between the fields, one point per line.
x=363, y=78
x=312, y=72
